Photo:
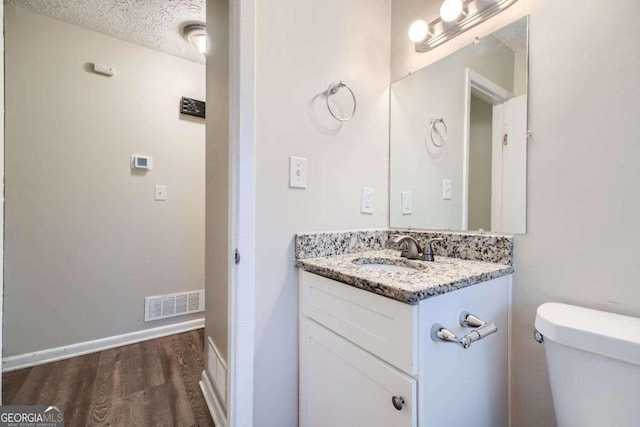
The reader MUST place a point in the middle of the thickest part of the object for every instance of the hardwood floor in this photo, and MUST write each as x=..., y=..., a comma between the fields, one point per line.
x=152, y=383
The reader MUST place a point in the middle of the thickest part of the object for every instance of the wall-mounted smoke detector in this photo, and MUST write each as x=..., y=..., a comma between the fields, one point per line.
x=196, y=35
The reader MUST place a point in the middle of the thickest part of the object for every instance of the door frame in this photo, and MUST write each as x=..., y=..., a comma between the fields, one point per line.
x=242, y=155
x=1, y=183
x=490, y=92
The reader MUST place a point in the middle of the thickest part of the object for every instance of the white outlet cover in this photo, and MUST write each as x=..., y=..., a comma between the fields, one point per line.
x=446, y=189
x=297, y=172
x=366, y=205
x=161, y=193
x=407, y=205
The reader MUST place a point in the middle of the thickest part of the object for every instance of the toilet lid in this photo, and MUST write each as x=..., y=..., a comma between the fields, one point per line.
x=609, y=334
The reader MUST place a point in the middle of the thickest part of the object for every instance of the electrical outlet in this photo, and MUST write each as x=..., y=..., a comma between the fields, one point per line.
x=366, y=205
x=446, y=189
x=407, y=207
x=161, y=192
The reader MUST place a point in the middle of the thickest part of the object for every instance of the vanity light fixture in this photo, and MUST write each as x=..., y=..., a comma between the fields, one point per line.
x=456, y=17
x=419, y=31
x=450, y=10
x=196, y=35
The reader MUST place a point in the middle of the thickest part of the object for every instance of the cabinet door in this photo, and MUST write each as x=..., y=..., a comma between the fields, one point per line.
x=465, y=387
x=380, y=325
x=342, y=385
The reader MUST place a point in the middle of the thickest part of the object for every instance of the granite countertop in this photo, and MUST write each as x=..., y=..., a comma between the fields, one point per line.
x=430, y=278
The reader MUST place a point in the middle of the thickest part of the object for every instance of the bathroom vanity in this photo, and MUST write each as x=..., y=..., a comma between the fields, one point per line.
x=372, y=347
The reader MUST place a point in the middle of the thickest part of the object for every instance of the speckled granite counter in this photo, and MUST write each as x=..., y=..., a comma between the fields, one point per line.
x=429, y=278
x=488, y=247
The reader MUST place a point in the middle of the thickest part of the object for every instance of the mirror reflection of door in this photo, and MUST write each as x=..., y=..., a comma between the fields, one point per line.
x=510, y=203
x=497, y=164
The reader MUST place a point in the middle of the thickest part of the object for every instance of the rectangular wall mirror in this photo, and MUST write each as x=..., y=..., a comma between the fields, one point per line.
x=458, y=138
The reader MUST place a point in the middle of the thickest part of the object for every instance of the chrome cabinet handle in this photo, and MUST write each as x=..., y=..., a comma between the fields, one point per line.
x=398, y=402
x=484, y=329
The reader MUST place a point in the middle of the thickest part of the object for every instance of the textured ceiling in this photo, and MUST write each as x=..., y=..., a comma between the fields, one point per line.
x=152, y=23
x=514, y=36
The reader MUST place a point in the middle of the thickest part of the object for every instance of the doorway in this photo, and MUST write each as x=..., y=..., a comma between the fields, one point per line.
x=495, y=149
x=103, y=252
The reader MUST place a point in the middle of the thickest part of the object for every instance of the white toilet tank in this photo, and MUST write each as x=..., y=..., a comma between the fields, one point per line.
x=594, y=365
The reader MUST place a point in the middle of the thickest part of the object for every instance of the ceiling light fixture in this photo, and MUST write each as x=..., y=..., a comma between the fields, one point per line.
x=196, y=35
x=456, y=17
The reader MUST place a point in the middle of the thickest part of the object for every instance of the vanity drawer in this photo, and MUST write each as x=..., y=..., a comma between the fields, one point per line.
x=385, y=327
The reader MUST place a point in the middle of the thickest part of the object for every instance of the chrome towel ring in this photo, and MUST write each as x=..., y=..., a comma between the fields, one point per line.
x=433, y=129
x=333, y=89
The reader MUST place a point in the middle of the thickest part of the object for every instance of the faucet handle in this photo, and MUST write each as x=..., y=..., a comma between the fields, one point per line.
x=428, y=248
x=404, y=249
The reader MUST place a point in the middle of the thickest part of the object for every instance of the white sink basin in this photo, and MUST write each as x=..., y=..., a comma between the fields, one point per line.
x=388, y=267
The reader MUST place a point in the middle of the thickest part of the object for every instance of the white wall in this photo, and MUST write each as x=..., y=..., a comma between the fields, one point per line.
x=303, y=47
x=416, y=165
x=85, y=240
x=584, y=171
x=520, y=72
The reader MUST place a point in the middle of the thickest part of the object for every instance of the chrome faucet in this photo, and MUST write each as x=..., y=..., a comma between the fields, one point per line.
x=411, y=249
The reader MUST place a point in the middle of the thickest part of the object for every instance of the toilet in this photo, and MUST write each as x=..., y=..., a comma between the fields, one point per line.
x=593, y=359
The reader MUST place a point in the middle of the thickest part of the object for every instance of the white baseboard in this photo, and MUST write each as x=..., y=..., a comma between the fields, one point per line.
x=65, y=352
x=210, y=396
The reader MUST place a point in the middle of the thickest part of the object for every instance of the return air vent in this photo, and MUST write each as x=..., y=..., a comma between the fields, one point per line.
x=217, y=371
x=163, y=306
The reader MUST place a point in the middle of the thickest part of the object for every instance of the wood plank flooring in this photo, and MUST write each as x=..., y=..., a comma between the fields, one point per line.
x=152, y=383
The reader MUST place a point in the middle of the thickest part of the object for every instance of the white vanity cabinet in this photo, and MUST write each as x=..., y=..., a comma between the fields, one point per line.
x=369, y=360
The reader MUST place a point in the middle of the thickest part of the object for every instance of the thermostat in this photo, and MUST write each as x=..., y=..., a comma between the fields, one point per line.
x=141, y=162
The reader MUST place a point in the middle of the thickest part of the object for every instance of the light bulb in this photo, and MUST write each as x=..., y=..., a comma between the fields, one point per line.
x=199, y=41
x=418, y=31
x=450, y=10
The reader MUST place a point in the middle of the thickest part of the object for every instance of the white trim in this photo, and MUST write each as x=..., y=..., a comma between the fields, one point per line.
x=219, y=378
x=217, y=413
x=487, y=90
x=2, y=176
x=465, y=151
x=509, y=345
x=242, y=212
x=68, y=351
x=490, y=92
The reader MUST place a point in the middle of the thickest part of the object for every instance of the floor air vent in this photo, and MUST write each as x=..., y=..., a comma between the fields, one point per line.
x=163, y=306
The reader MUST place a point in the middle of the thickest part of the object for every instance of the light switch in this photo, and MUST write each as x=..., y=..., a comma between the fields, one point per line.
x=367, y=200
x=407, y=207
x=161, y=192
x=297, y=172
x=446, y=189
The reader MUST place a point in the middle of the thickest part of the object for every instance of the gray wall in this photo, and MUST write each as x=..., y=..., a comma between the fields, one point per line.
x=217, y=187
x=584, y=170
x=85, y=240
x=480, y=126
